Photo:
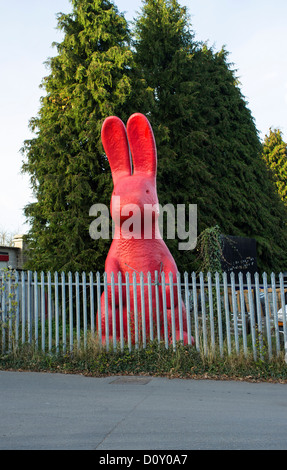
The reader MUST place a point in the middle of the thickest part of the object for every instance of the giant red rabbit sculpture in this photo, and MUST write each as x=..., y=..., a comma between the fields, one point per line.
x=135, y=191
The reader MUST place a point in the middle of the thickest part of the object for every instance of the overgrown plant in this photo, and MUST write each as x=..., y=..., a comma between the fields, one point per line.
x=210, y=255
x=210, y=250
x=8, y=304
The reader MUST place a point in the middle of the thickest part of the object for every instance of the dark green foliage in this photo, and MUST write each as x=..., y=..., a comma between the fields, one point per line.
x=208, y=147
x=89, y=79
x=275, y=155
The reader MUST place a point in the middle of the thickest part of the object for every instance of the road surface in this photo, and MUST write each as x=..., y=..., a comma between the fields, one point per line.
x=41, y=411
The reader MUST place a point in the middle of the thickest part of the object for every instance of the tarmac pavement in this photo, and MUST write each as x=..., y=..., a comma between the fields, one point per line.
x=45, y=411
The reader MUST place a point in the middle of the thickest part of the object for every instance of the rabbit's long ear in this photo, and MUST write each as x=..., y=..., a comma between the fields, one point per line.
x=114, y=139
x=142, y=144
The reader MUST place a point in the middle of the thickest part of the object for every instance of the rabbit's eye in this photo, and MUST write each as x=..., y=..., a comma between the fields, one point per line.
x=147, y=191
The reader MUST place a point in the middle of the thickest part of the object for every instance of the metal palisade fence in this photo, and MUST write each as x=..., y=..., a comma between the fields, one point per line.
x=225, y=313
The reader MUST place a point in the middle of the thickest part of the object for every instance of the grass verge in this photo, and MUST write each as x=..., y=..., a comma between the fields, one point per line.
x=185, y=362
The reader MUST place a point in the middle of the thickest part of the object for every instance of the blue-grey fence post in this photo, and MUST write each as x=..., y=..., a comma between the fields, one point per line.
x=172, y=310
x=143, y=308
x=49, y=310
x=259, y=319
x=234, y=308
x=106, y=313
x=242, y=308
x=85, y=314
x=165, y=325
x=113, y=312
x=78, y=309
x=150, y=306
x=211, y=316
x=283, y=304
x=43, y=312
x=92, y=312
x=10, y=313
x=226, y=306
x=252, y=315
x=29, y=306
x=203, y=312
x=219, y=319
x=3, y=312
x=275, y=313
x=64, y=336
x=135, y=310
x=179, y=300
x=23, y=306
x=195, y=309
x=36, y=307
x=99, y=313
x=71, y=322
x=57, y=336
x=120, y=288
x=128, y=311
x=17, y=309
x=156, y=287
x=187, y=307
x=267, y=317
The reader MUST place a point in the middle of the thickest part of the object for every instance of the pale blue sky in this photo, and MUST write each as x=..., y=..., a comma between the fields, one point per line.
x=253, y=31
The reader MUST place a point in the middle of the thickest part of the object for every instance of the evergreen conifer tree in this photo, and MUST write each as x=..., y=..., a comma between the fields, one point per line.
x=90, y=79
x=209, y=152
x=275, y=155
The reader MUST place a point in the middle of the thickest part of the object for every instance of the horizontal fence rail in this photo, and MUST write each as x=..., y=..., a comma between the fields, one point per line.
x=221, y=312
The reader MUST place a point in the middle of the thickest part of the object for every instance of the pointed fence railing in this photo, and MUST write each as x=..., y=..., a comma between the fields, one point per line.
x=225, y=313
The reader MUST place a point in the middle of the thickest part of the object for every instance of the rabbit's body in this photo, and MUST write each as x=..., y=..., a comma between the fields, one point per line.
x=133, y=256
x=137, y=246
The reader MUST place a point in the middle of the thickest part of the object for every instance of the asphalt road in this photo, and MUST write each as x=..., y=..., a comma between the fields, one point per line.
x=41, y=411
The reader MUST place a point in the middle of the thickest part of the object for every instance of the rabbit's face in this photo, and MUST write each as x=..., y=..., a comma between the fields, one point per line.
x=135, y=194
